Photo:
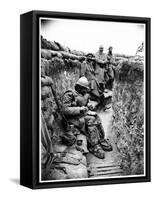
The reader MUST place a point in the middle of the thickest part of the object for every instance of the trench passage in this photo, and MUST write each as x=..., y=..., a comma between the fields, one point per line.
x=109, y=166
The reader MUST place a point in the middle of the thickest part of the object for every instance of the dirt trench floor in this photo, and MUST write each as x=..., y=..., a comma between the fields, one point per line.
x=109, y=166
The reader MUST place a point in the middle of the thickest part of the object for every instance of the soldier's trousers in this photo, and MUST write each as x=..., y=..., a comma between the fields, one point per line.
x=91, y=127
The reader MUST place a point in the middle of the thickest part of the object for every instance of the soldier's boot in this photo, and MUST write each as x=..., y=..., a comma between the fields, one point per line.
x=97, y=151
x=68, y=138
x=100, y=127
x=106, y=145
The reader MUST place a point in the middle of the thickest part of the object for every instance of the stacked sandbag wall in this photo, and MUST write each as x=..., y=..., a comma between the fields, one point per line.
x=60, y=69
x=128, y=117
x=63, y=66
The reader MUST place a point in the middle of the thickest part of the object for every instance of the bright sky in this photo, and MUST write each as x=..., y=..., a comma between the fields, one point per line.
x=88, y=35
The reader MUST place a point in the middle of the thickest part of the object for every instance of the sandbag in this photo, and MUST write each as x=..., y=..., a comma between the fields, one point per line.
x=68, y=55
x=49, y=107
x=73, y=152
x=72, y=56
x=61, y=47
x=45, y=67
x=53, y=46
x=49, y=103
x=68, y=138
x=67, y=171
x=46, y=54
x=71, y=166
x=56, y=174
x=48, y=44
x=46, y=81
x=58, y=148
x=44, y=155
x=67, y=159
x=45, y=92
x=78, y=53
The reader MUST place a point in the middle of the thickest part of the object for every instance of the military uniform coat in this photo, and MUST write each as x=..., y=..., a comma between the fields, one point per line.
x=88, y=71
x=110, y=67
x=100, y=71
x=72, y=102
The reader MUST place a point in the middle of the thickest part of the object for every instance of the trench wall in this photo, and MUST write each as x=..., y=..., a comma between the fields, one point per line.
x=128, y=118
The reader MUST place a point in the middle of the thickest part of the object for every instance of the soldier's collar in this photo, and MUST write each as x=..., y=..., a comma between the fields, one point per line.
x=78, y=93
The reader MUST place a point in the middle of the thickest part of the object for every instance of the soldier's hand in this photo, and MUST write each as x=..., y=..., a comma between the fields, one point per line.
x=92, y=113
x=83, y=110
x=91, y=106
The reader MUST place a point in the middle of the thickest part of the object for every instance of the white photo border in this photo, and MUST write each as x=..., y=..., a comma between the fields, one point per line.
x=95, y=178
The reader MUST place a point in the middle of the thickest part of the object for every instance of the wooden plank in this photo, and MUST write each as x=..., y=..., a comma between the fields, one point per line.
x=103, y=166
x=105, y=170
x=105, y=175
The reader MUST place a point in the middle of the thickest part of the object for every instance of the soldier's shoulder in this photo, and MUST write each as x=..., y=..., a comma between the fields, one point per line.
x=84, y=62
x=69, y=93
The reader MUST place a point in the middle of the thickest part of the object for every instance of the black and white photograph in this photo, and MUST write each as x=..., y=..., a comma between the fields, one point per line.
x=92, y=99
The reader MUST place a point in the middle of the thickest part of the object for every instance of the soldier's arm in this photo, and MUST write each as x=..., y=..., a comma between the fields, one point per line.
x=68, y=109
x=83, y=69
x=101, y=63
x=112, y=60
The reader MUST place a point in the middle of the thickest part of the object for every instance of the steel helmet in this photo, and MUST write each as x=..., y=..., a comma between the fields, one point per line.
x=110, y=47
x=83, y=81
x=90, y=55
x=101, y=47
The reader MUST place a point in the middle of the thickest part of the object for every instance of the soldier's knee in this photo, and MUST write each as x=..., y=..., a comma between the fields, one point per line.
x=89, y=118
x=81, y=122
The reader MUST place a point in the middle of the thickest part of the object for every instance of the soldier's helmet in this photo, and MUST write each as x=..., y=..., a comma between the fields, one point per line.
x=101, y=47
x=110, y=48
x=83, y=81
x=90, y=55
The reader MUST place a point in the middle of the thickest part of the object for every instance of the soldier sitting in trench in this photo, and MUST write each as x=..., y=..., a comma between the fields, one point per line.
x=76, y=110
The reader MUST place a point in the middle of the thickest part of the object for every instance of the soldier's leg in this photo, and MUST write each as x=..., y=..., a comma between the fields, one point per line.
x=93, y=137
x=94, y=91
x=69, y=138
x=111, y=77
x=98, y=134
x=100, y=127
